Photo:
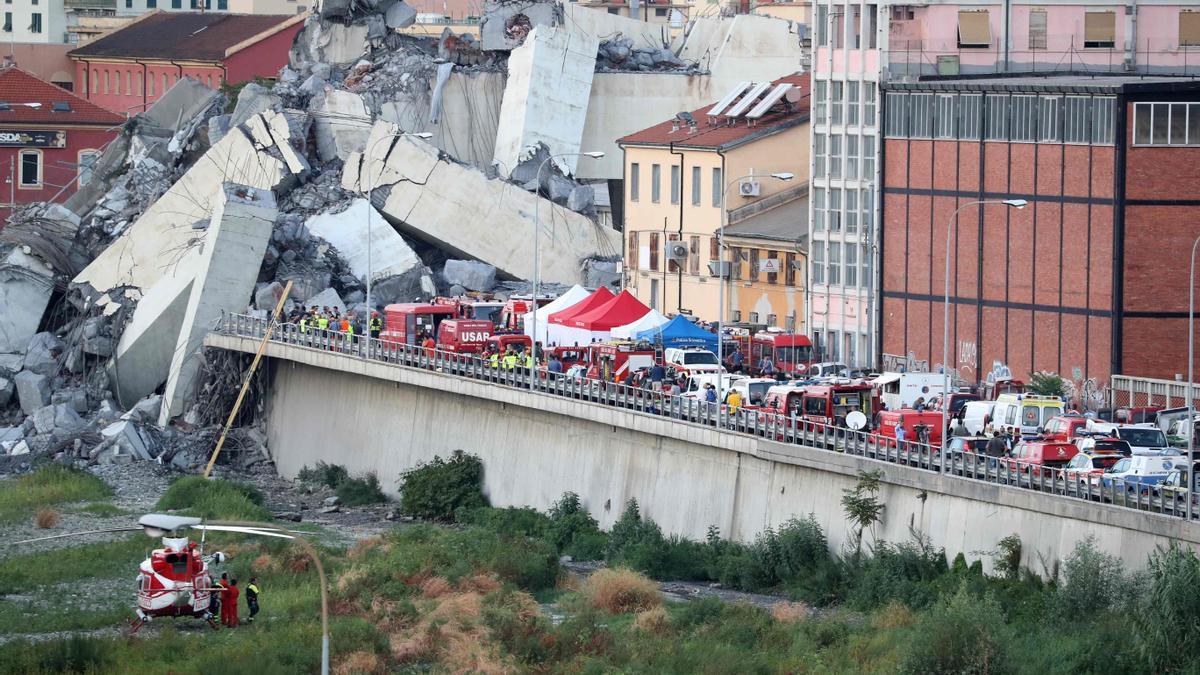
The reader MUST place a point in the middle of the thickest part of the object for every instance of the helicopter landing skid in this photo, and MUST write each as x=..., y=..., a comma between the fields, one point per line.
x=135, y=624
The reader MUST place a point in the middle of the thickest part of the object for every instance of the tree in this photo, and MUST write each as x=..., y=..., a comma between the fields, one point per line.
x=1046, y=383
x=862, y=505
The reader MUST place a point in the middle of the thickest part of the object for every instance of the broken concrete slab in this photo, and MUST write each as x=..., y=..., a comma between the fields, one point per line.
x=33, y=391
x=506, y=23
x=330, y=42
x=75, y=397
x=175, y=108
x=546, y=98
x=99, y=345
x=470, y=274
x=145, y=410
x=463, y=212
x=326, y=298
x=148, y=342
x=12, y=363
x=400, y=15
x=268, y=295
x=25, y=287
x=43, y=354
x=361, y=229
x=59, y=417
x=128, y=438
x=7, y=390
x=466, y=124
x=242, y=221
x=341, y=124
x=253, y=99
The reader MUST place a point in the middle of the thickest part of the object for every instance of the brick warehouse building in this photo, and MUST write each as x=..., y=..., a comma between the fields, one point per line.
x=1091, y=277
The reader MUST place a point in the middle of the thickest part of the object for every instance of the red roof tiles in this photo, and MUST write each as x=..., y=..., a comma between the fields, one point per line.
x=186, y=36
x=18, y=86
x=723, y=135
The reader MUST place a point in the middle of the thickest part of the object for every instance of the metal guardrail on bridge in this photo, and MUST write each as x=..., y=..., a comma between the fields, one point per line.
x=1004, y=471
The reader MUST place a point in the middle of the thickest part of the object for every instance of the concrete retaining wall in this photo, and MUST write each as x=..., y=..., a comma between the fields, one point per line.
x=376, y=417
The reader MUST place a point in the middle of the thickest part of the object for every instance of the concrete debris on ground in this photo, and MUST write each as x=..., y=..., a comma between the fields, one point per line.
x=428, y=151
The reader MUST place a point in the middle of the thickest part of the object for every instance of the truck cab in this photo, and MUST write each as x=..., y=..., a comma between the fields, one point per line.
x=501, y=342
x=511, y=316
x=463, y=336
x=406, y=321
x=692, y=360
x=613, y=361
x=917, y=425
x=827, y=403
x=790, y=352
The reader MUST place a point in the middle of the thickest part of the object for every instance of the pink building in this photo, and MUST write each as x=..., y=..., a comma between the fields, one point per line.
x=858, y=45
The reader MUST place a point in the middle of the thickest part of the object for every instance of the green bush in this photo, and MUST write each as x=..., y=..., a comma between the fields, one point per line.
x=49, y=484
x=438, y=488
x=1170, y=613
x=573, y=531
x=1092, y=582
x=214, y=499
x=510, y=521
x=962, y=633
x=360, y=491
x=329, y=475
x=907, y=572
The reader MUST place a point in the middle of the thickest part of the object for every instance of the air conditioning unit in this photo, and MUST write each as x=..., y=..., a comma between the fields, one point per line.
x=718, y=268
x=749, y=188
x=676, y=251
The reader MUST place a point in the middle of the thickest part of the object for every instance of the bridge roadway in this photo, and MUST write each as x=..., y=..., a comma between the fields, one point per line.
x=688, y=465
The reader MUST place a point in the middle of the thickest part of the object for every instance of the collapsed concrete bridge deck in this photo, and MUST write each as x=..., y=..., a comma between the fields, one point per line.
x=685, y=476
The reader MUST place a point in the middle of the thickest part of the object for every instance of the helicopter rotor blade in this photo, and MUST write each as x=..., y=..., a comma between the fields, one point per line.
x=78, y=534
x=243, y=530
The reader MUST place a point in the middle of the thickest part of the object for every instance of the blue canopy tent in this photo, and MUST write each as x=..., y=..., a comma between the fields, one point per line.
x=679, y=332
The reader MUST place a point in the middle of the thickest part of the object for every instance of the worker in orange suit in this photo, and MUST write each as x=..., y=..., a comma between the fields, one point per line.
x=229, y=600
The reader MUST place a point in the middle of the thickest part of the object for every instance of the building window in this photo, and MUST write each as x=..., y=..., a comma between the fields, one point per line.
x=176, y=4
x=822, y=25
x=1023, y=118
x=851, y=264
x=31, y=169
x=654, y=250
x=818, y=208
x=137, y=86
x=128, y=4
x=676, y=188
x=1037, y=29
x=635, y=174
x=944, y=116
x=974, y=30
x=835, y=211
x=631, y=253
x=753, y=264
x=852, y=89
x=695, y=186
x=872, y=25
x=1166, y=124
x=151, y=4
x=852, y=157
x=128, y=83
x=836, y=101
x=1048, y=119
x=968, y=116
x=35, y=24
x=694, y=255
x=818, y=262
x=903, y=13
x=1189, y=28
x=223, y=6
x=1099, y=29
x=819, y=155
x=655, y=183
x=820, y=104
x=835, y=263
x=996, y=118
x=868, y=206
x=895, y=123
x=868, y=158
x=106, y=74
x=1104, y=115
x=718, y=188
x=95, y=83
x=868, y=102
x=673, y=265
x=835, y=156
x=789, y=269
x=150, y=84
x=735, y=263
x=87, y=160
x=714, y=248
x=851, y=210
x=854, y=27
x=922, y=116
x=8, y=22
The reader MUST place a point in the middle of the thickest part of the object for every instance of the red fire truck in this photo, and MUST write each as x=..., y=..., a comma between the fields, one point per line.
x=917, y=425
x=790, y=352
x=406, y=321
x=569, y=355
x=501, y=342
x=466, y=307
x=463, y=336
x=612, y=361
x=822, y=403
x=512, y=315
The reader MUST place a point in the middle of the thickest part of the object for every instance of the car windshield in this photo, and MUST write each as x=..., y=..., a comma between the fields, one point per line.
x=486, y=313
x=1050, y=413
x=758, y=391
x=1104, y=462
x=1145, y=438
x=699, y=358
x=794, y=354
x=1029, y=416
x=957, y=402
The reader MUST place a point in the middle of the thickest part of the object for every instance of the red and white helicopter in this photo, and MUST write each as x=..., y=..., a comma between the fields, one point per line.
x=175, y=581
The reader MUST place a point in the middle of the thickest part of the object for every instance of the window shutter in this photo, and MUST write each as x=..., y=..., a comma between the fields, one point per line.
x=1189, y=29
x=1100, y=27
x=974, y=29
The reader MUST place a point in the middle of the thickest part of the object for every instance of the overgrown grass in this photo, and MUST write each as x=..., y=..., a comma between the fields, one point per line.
x=110, y=559
x=350, y=491
x=101, y=510
x=214, y=499
x=48, y=485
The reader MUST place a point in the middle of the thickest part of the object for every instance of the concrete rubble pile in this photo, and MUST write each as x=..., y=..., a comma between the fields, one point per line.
x=417, y=165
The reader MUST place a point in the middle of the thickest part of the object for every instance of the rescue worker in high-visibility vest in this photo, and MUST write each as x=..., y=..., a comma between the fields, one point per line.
x=376, y=324
x=510, y=359
x=529, y=362
x=322, y=321
x=304, y=323
x=347, y=327
x=494, y=359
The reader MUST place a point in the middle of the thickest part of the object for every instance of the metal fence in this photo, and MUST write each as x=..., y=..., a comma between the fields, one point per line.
x=1142, y=392
x=1005, y=471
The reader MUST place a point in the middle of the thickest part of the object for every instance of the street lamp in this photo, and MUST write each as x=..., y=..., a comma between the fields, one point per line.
x=537, y=225
x=1191, y=412
x=371, y=207
x=1012, y=203
x=780, y=175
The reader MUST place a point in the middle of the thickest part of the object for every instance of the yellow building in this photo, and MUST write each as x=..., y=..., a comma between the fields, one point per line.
x=675, y=175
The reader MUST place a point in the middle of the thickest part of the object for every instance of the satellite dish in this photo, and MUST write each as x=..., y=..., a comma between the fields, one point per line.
x=856, y=420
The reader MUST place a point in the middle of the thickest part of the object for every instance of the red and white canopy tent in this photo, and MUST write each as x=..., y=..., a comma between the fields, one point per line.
x=557, y=322
x=596, y=324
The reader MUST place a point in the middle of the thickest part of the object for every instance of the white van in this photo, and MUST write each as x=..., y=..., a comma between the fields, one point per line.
x=1143, y=439
x=1024, y=414
x=977, y=416
x=901, y=390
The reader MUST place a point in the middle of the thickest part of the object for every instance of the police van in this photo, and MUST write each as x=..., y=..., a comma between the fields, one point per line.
x=1024, y=414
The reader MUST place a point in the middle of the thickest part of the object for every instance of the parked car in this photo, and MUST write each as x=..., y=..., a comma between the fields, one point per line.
x=1140, y=472
x=1143, y=439
x=1175, y=486
x=1063, y=428
x=829, y=369
x=1142, y=415
x=753, y=390
x=977, y=416
x=1103, y=444
x=970, y=444
x=692, y=360
x=1085, y=468
x=1031, y=457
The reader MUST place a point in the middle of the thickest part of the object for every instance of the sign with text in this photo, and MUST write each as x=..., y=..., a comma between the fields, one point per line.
x=770, y=266
x=26, y=138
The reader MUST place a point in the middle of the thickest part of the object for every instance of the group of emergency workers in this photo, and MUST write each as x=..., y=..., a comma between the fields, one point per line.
x=511, y=359
x=330, y=319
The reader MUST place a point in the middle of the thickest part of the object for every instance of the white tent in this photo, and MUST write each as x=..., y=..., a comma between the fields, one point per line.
x=653, y=319
x=571, y=297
